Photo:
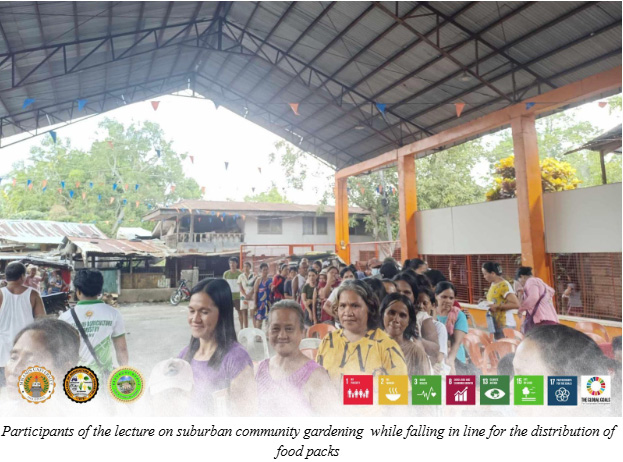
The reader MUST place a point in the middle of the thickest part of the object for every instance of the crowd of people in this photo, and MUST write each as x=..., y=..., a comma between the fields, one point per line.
x=389, y=320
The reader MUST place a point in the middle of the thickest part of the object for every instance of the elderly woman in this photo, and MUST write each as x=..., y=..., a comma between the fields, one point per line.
x=360, y=346
x=289, y=383
x=398, y=315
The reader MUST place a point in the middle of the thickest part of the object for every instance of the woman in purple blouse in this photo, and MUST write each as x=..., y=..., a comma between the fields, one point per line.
x=220, y=365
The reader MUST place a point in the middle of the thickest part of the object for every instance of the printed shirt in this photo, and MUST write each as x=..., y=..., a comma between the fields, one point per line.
x=460, y=324
x=497, y=294
x=101, y=323
x=375, y=353
x=248, y=283
x=232, y=279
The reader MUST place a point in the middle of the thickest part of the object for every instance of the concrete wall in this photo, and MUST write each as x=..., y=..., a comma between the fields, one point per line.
x=583, y=220
x=144, y=295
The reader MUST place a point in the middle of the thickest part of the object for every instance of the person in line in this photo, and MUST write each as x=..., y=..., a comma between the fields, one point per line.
x=277, y=288
x=406, y=285
x=309, y=296
x=374, y=268
x=19, y=306
x=456, y=325
x=32, y=280
x=348, y=273
x=219, y=363
x=360, y=346
x=317, y=265
x=231, y=276
x=101, y=322
x=389, y=285
x=398, y=315
x=261, y=296
x=377, y=286
x=501, y=298
x=290, y=384
x=389, y=270
x=246, y=282
x=537, y=302
x=427, y=303
x=299, y=281
x=287, y=288
x=416, y=265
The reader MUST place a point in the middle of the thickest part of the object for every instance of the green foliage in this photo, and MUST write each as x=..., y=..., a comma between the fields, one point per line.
x=270, y=195
x=123, y=155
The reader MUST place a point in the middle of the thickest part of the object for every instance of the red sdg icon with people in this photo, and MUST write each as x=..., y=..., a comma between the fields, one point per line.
x=358, y=389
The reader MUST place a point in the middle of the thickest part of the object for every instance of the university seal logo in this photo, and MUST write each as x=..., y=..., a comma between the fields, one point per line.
x=36, y=384
x=81, y=384
x=126, y=384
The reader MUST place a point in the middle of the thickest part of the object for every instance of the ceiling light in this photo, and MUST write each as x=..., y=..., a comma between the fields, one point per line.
x=465, y=77
x=359, y=127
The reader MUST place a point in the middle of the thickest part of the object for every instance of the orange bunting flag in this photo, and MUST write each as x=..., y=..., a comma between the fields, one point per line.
x=192, y=159
x=44, y=183
x=60, y=190
x=112, y=199
x=602, y=104
x=77, y=184
x=126, y=186
x=459, y=108
x=14, y=181
x=203, y=190
x=172, y=189
x=137, y=203
x=155, y=105
x=30, y=186
x=110, y=144
x=84, y=196
x=295, y=108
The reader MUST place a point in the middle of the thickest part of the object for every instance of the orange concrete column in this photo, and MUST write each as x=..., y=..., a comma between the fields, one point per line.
x=341, y=219
x=407, y=202
x=530, y=197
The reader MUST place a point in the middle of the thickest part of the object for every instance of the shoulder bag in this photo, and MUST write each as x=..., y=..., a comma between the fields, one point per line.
x=103, y=371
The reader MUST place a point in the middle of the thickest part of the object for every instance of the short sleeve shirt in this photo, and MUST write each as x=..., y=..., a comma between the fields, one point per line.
x=232, y=279
x=460, y=324
x=497, y=294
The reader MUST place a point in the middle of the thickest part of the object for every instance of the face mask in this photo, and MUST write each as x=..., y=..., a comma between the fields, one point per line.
x=376, y=271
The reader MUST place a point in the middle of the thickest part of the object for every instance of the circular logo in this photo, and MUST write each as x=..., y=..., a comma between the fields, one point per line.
x=36, y=384
x=562, y=395
x=596, y=386
x=126, y=384
x=81, y=384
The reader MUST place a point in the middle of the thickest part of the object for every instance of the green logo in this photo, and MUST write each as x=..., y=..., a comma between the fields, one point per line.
x=426, y=390
x=495, y=390
x=126, y=384
x=528, y=390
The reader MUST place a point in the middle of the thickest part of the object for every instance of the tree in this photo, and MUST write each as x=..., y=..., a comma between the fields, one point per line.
x=270, y=195
x=115, y=182
x=555, y=176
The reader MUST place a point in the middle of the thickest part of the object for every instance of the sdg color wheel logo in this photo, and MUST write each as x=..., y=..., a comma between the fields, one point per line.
x=126, y=384
x=36, y=384
x=595, y=389
x=596, y=386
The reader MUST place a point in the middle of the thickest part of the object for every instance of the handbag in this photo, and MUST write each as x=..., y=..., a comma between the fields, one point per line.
x=103, y=371
x=528, y=322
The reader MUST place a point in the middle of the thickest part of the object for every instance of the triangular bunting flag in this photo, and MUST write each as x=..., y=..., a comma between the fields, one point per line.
x=81, y=104
x=27, y=102
x=14, y=181
x=44, y=188
x=125, y=201
x=77, y=184
x=99, y=197
x=114, y=186
x=137, y=202
x=529, y=105
x=30, y=186
x=203, y=190
x=192, y=159
x=253, y=189
x=112, y=199
x=53, y=135
x=381, y=107
x=84, y=196
x=172, y=189
x=28, y=182
x=602, y=104
x=259, y=169
x=91, y=185
x=63, y=184
x=126, y=186
x=226, y=165
x=44, y=183
x=295, y=108
x=155, y=105
x=459, y=108
x=110, y=144
x=136, y=187
x=71, y=193
x=158, y=152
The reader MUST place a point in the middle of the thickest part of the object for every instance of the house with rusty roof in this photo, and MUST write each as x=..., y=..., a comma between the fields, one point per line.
x=41, y=235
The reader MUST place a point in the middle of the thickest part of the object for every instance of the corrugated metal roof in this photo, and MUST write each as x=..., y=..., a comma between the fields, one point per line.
x=45, y=232
x=609, y=141
x=132, y=233
x=337, y=60
x=121, y=247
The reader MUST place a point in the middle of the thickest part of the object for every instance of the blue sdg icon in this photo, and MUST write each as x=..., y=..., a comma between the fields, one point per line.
x=562, y=391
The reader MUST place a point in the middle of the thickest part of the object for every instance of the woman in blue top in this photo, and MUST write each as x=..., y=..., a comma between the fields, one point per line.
x=262, y=294
x=456, y=324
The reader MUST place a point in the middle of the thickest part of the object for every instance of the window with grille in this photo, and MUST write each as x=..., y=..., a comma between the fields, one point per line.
x=321, y=225
x=267, y=225
x=308, y=225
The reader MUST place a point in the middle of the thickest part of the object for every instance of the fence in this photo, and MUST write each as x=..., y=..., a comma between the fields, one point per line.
x=274, y=255
x=361, y=252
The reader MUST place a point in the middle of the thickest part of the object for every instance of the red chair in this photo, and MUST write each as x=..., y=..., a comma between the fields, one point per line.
x=496, y=351
x=588, y=326
x=320, y=330
x=513, y=333
x=310, y=353
x=472, y=346
x=483, y=337
x=597, y=338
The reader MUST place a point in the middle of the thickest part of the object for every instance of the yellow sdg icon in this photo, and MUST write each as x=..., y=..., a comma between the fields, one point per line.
x=36, y=384
x=81, y=384
x=393, y=389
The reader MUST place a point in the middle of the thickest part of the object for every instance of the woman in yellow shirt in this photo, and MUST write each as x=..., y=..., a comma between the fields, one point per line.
x=360, y=347
x=502, y=298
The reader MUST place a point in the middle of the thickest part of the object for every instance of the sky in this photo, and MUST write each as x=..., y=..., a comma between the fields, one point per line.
x=215, y=136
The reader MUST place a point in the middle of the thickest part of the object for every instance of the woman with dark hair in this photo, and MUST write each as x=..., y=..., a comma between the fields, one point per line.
x=537, y=300
x=218, y=361
x=360, y=346
x=501, y=298
x=456, y=325
x=377, y=286
x=289, y=383
x=398, y=315
x=406, y=284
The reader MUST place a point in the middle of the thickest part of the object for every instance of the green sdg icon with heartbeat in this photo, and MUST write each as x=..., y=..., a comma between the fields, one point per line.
x=495, y=390
x=528, y=390
x=426, y=390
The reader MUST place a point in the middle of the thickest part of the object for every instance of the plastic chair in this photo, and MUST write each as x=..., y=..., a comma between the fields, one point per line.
x=310, y=353
x=514, y=341
x=483, y=337
x=472, y=345
x=596, y=337
x=313, y=343
x=320, y=330
x=588, y=326
x=513, y=333
x=496, y=350
x=247, y=338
